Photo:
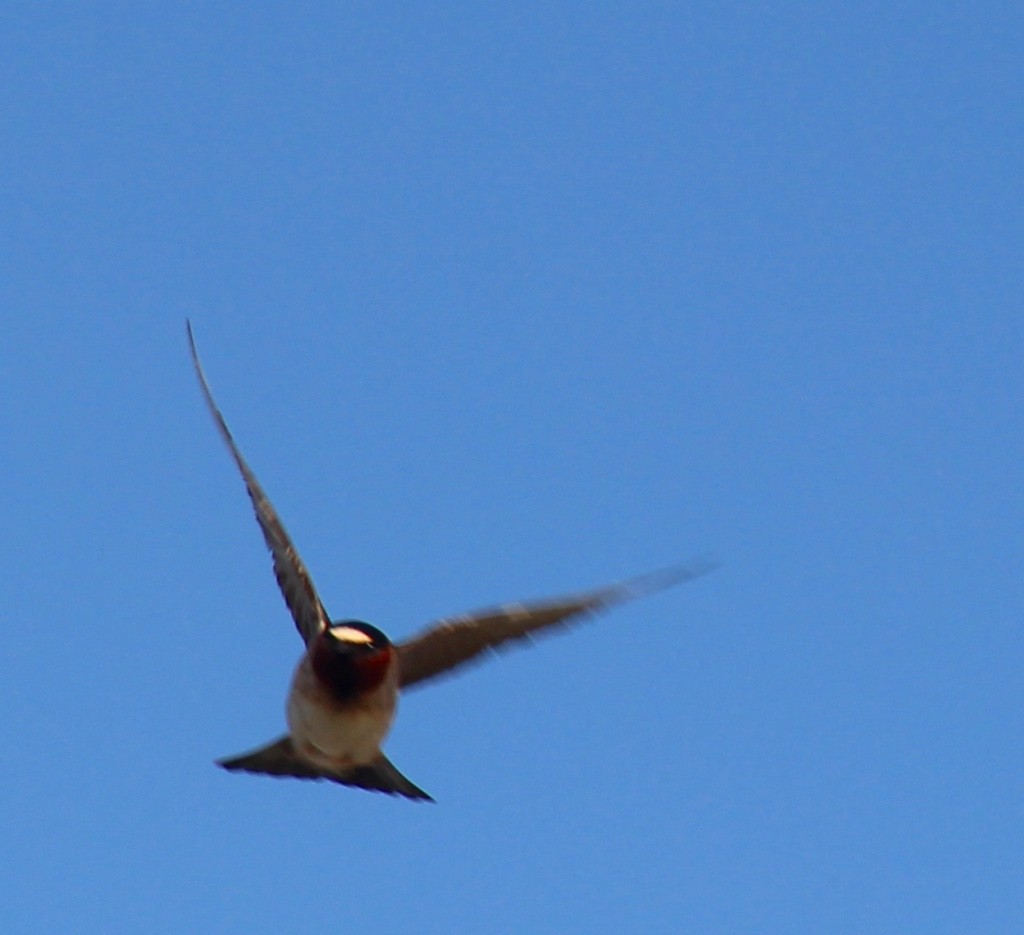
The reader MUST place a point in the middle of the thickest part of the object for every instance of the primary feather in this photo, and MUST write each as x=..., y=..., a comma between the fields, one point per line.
x=456, y=641
x=306, y=608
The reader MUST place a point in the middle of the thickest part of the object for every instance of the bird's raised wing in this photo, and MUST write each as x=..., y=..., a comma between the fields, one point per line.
x=293, y=579
x=453, y=642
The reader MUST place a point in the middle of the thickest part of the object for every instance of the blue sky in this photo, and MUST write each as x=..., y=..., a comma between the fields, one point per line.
x=501, y=303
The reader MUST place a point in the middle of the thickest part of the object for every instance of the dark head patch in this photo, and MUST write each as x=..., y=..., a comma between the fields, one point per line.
x=351, y=658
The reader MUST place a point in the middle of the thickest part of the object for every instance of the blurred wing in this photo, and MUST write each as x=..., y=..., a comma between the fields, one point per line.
x=454, y=642
x=292, y=578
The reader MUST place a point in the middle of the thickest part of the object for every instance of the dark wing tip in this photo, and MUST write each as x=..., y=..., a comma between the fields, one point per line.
x=191, y=341
x=664, y=578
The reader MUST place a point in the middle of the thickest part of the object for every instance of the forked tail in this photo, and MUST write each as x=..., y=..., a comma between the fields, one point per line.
x=280, y=758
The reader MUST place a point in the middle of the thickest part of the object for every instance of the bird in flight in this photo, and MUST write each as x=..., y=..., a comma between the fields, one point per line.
x=345, y=688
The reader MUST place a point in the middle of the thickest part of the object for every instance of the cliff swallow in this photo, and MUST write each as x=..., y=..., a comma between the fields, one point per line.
x=345, y=687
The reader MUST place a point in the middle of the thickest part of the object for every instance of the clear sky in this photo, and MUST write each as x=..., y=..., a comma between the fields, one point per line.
x=504, y=301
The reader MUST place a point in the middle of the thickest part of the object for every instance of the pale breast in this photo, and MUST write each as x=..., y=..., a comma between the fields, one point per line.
x=335, y=734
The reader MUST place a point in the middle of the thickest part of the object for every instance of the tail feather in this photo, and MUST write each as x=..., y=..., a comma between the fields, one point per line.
x=382, y=776
x=280, y=758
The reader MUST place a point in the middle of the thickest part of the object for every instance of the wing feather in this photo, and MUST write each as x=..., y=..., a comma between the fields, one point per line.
x=292, y=578
x=451, y=643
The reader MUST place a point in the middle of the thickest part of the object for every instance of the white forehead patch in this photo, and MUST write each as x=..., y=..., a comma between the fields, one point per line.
x=350, y=635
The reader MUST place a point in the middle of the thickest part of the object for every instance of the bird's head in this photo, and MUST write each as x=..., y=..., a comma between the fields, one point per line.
x=351, y=657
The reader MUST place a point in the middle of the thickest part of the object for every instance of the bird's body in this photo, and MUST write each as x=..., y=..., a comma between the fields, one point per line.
x=338, y=733
x=345, y=689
